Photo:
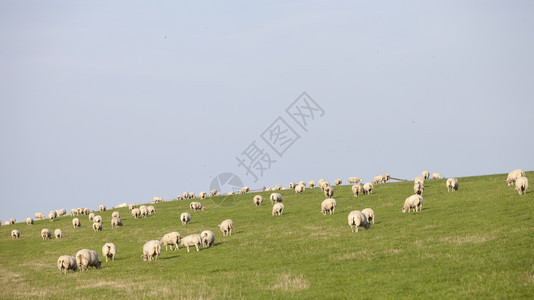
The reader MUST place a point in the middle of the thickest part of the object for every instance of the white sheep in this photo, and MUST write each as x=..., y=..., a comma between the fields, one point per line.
x=194, y=206
x=86, y=211
x=278, y=209
x=76, y=223
x=208, y=238
x=46, y=233
x=324, y=184
x=356, y=189
x=425, y=174
x=338, y=181
x=12, y=221
x=277, y=187
x=58, y=233
x=420, y=179
x=213, y=193
x=521, y=185
x=354, y=180
x=179, y=198
x=185, y=195
x=170, y=239
x=136, y=213
x=192, y=240
x=116, y=214
x=358, y=219
x=185, y=217
x=39, y=215
x=244, y=190
x=109, y=250
x=418, y=188
x=275, y=197
x=91, y=216
x=367, y=188
x=116, y=222
x=131, y=206
x=151, y=210
x=328, y=205
x=158, y=199
x=387, y=177
x=299, y=189
x=61, y=212
x=73, y=212
x=122, y=205
x=328, y=192
x=369, y=214
x=7, y=223
x=414, y=201
x=191, y=195
x=258, y=200
x=29, y=221
x=302, y=182
x=102, y=207
x=97, y=219
x=452, y=184
x=378, y=179
x=66, y=262
x=202, y=195
x=97, y=227
x=512, y=176
x=52, y=216
x=311, y=183
x=226, y=227
x=436, y=175
x=151, y=250
x=87, y=258
x=15, y=234
x=143, y=210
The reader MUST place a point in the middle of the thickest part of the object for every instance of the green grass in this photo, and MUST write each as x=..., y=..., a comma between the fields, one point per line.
x=477, y=242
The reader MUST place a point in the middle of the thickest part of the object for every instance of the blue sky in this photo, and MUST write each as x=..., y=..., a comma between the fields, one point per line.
x=120, y=101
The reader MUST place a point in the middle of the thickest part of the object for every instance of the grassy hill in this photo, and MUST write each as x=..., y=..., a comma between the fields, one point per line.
x=476, y=242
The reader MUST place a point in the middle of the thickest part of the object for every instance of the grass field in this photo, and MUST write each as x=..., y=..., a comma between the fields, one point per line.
x=477, y=242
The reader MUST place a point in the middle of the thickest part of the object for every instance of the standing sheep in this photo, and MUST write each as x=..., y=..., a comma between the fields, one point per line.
x=144, y=211
x=151, y=250
x=97, y=227
x=213, y=193
x=512, y=176
x=521, y=185
x=116, y=214
x=436, y=175
x=311, y=183
x=208, y=238
x=452, y=184
x=299, y=189
x=131, y=206
x=151, y=210
x=275, y=197
x=244, y=190
x=191, y=195
x=425, y=174
x=158, y=199
x=194, y=206
x=367, y=188
x=185, y=195
x=15, y=234
x=91, y=216
x=418, y=188
x=87, y=258
x=419, y=179
x=291, y=185
x=354, y=180
x=328, y=205
x=414, y=201
x=185, y=217
x=258, y=200
x=356, y=189
x=170, y=239
x=29, y=221
x=357, y=219
x=203, y=195
x=66, y=263
x=277, y=187
x=109, y=250
x=387, y=177
x=86, y=211
x=192, y=240
x=46, y=233
x=378, y=179
x=52, y=216
x=58, y=234
x=102, y=207
x=338, y=181
x=370, y=214
x=76, y=222
x=328, y=192
x=116, y=222
x=97, y=219
x=226, y=227
x=136, y=213
x=39, y=215
x=278, y=209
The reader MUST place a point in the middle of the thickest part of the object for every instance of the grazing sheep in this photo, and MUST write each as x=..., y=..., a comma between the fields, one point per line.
x=131, y=206
x=87, y=258
x=179, y=198
x=208, y=238
x=328, y=205
x=79, y=211
x=258, y=200
x=324, y=184
x=291, y=185
x=185, y=218
x=116, y=214
x=66, y=263
x=202, y=195
x=512, y=176
x=387, y=177
x=52, y=216
x=15, y=234
x=230, y=193
x=158, y=199
x=73, y=212
x=91, y=216
x=378, y=179
x=136, y=213
x=436, y=175
x=7, y=223
x=414, y=201
x=192, y=240
x=277, y=187
x=29, y=221
x=354, y=180
x=170, y=239
x=356, y=189
x=115, y=222
x=191, y=195
x=58, y=233
x=194, y=206
x=39, y=215
x=369, y=214
x=185, y=195
x=46, y=233
x=151, y=210
x=97, y=219
x=244, y=190
x=302, y=182
x=61, y=212
x=328, y=192
x=144, y=211
x=76, y=222
x=12, y=221
x=367, y=188
x=121, y=205
x=226, y=227
x=102, y=207
x=425, y=174
x=109, y=250
x=338, y=181
x=278, y=209
x=311, y=183
x=86, y=211
x=358, y=219
x=418, y=188
x=97, y=227
x=452, y=184
x=213, y=193
x=521, y=185
x=275, y=197
x=151, y=250
x=419, y=179
x=299, y=189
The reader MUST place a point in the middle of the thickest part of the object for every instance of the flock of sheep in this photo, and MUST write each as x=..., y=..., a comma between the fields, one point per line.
x=86, y=258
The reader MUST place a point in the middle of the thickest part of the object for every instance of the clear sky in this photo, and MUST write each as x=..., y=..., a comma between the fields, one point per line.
x=120, y=101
